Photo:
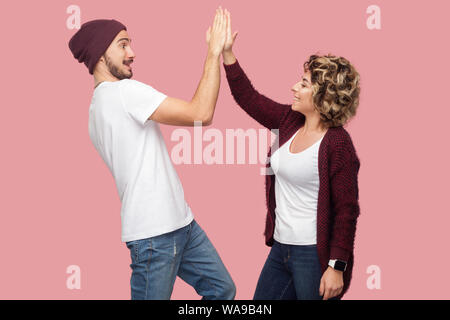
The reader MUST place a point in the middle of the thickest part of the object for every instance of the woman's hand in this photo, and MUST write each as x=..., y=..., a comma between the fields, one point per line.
x=228, y=56
x=230, y=38
x=216, y=35
x=331, y=283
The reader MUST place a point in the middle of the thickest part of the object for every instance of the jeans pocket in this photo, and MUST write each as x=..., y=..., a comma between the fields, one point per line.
x=130, y=243
x=134, y=250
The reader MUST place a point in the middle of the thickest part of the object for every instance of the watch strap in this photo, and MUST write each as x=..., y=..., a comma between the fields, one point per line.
x=337, y=264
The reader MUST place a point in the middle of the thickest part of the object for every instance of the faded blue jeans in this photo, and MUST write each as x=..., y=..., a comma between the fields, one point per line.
x=291, y=272
x=186, y=252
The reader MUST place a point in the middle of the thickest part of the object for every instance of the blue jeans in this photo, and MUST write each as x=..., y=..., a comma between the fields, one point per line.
x=291, y=272
x=186, y=252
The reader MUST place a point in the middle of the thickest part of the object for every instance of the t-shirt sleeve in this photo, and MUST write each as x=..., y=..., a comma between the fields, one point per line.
x=140, y=100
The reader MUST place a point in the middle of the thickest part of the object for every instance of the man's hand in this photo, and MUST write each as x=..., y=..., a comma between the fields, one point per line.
x=331, y=283
x=216, y=35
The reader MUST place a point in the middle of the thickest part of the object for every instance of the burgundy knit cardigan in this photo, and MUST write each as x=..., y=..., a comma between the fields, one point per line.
x=337, y=205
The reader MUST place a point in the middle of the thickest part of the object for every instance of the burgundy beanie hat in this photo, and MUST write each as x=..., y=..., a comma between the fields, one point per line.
x=93, y=39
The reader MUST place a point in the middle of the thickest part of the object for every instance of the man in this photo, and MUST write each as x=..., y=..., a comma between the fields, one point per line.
x=157, y=224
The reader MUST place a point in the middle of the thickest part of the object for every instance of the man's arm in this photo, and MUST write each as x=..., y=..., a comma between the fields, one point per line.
x=179, y=112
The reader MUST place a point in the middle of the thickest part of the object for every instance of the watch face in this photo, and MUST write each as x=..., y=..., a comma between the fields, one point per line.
x=339, y=265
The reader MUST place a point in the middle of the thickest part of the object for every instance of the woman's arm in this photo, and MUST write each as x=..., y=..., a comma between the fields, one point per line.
x=264, y=110
x=344, y=195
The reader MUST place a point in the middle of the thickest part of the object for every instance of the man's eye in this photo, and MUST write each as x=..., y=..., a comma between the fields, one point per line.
x=123, y=45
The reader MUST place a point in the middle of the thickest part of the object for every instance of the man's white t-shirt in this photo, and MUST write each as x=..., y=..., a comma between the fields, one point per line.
x=133, y=148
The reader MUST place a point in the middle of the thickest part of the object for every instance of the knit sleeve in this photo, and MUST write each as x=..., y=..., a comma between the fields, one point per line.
x=345, y=200
x=264, y=110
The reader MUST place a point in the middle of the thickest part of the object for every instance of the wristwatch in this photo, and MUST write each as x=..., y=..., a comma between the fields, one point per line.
x=337, y=264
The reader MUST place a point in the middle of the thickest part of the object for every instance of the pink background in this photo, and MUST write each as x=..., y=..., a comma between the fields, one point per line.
x=59, y=202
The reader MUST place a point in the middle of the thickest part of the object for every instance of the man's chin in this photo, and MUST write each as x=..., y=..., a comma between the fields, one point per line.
x=128, y=74
x=121, y=74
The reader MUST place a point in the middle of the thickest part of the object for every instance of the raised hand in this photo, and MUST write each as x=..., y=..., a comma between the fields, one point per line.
x=230, y=37
x=216, y=35
x=227, y=53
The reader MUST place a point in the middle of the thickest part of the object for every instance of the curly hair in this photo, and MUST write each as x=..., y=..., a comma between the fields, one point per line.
x=335, y=84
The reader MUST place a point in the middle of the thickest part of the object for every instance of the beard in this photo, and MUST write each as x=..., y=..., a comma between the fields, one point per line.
x=115, y=71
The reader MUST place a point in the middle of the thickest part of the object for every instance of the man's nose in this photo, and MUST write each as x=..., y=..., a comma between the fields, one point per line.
x=131, y=53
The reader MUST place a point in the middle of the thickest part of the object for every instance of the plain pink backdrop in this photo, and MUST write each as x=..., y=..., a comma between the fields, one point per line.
x=59, y=202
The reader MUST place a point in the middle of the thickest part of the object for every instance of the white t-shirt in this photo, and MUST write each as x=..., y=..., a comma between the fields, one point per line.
x=296, y=193
x=133, y=148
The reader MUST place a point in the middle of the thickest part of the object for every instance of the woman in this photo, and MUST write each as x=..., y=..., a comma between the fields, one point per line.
x=312, y=198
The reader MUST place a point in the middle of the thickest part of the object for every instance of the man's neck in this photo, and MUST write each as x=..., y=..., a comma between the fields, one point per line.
x=99, y=78
x=97, y=83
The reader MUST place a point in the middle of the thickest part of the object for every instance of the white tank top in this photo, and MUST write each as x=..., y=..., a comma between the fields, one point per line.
x=296, y=193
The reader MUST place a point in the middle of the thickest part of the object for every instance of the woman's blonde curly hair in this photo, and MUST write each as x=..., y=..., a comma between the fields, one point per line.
x=335, y=84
